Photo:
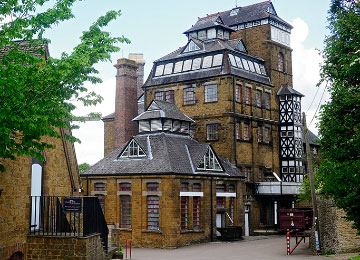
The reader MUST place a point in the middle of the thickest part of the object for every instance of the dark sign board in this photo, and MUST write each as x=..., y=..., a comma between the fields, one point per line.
x=72, y=205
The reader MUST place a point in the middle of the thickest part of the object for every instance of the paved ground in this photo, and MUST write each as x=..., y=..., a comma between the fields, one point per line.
x=257, y=248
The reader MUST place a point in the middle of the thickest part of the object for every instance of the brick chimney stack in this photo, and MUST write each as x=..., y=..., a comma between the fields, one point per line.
x=125, y=102
x=140, y=62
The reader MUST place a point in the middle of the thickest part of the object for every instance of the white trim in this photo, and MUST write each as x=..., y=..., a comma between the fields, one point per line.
x=191, y=194
x=277, y=177
x=149, y=148
x=191, y=163
x=226, y=194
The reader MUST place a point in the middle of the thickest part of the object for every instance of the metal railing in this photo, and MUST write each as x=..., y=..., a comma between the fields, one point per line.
x=65, y=216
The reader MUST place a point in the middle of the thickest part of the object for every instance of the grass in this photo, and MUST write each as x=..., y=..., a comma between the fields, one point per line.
x=355, y=258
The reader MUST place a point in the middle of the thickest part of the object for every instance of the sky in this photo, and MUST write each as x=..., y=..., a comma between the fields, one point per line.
x=155, y=28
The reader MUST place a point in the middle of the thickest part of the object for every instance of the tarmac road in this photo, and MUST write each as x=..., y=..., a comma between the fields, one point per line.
x=258, y=248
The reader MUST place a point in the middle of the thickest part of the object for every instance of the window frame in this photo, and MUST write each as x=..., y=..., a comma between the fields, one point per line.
x=258, y=96
x=212, y=134
x=238, y=93
x=189, y=100
x=281, y=62
x=125, y=211
x=248, y=95
x=267, y=100
x=246, y=131
x=153, y=212
x=211, y=93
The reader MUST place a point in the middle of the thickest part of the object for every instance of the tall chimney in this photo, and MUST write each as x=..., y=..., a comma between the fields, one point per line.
x=140, y=62
x=125, y=102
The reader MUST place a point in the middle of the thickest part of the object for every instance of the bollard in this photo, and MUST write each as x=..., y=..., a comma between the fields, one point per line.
x=126, y=249
x=288, y=243
x=130, y=249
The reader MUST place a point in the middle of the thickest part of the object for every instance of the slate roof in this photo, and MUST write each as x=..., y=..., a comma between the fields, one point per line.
x=288, y=90
x=208, y=47
x=244, y=14
x=108, y=117
x=313, y=139
x=208, y=22
x=163, y=109
x=166, y=154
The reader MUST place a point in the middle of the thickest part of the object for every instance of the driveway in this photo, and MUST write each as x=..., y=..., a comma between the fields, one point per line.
x=258, y=248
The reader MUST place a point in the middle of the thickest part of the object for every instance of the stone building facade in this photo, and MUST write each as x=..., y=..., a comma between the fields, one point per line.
x=234, y=79
x=163, y=188
x=59, y=176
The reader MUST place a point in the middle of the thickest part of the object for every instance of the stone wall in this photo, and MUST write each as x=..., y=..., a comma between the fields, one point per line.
x=65, y=248
x=336, y=233
x=16, y=185
x=170, y=233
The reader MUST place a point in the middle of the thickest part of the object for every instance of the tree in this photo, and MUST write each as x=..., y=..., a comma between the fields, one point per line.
x=34, y=89
x=83, y=167
x=340, y=118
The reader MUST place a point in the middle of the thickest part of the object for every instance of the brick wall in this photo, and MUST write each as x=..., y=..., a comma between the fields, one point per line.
x=108, y=136
x=125, y=102
x=336, y=233
x=69, y=248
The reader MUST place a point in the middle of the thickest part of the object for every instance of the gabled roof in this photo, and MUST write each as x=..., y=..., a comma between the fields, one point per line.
x=163, y=109
x=288, y=90
x=208, y=22
x=166, y=154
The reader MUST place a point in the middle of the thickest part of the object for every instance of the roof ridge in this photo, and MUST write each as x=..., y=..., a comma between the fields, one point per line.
x=219, y=13
x=166, y=150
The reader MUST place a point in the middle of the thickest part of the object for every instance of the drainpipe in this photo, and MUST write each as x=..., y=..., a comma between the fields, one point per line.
x=211, y=211
x=234, y=121
x=87, y=185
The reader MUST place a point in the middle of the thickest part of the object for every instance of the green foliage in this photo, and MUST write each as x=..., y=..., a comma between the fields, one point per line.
x=328, y=252
x=83, y=167
x=354, y=258
x=35, y=89
x=340, y=117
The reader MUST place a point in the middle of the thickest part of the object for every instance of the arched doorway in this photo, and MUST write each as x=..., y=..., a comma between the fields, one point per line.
x=17, y=256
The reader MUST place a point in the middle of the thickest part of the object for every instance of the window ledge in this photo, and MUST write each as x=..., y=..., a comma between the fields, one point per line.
x=125, y=229
x=190, y=104
x=265, y=143
x=209, y=102
x=191, y=231
x=151, y=231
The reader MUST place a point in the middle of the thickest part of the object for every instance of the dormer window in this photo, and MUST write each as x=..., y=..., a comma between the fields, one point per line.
x=192, y=46
x=209, y=162
x=234, y=12
x=132, y=150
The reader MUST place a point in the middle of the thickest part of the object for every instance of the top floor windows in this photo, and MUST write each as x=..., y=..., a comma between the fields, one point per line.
x=189, y=65
x=211, y=93
x=165, y=95
x=245, y=63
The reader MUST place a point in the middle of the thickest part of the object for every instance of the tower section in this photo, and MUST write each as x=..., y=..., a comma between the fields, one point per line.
x=265, y=35
x=291, y=135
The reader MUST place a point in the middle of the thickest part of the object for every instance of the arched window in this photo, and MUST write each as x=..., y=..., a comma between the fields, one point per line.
x=281, y=66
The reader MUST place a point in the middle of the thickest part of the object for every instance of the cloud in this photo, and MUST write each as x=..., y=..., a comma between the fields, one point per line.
x=91, y=133
x=306, y=71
